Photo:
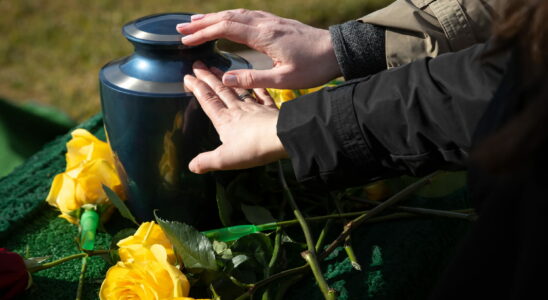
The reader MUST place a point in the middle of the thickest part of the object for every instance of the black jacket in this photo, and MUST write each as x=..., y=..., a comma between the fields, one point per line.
x=425, y=116
x=505, y=254
x=408, y=120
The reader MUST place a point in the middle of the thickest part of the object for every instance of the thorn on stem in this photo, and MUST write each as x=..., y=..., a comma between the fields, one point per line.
x=356, y=266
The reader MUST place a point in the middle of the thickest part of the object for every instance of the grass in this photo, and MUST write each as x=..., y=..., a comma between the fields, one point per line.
x=51, y=51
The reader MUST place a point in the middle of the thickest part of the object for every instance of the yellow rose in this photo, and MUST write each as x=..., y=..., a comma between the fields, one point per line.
x=84, y=147
x=148, y=276
x=280, y=96
x=378, y=190
x=148, y=234
x=83, y=185
x=90, y=165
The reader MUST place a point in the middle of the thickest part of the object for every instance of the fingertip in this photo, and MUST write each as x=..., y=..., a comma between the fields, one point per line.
x=181, y=27
x=188, y=82
x=193, y=166
x=189, y=78
x=187, y=40
x=196, y=17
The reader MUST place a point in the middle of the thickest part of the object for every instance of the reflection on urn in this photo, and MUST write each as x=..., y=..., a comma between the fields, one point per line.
x=168, y=166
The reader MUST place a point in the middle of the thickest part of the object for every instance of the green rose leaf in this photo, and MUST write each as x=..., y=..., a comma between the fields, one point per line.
x=257, y=246
x=224, y=206
x=257, y=214
x=194, y=248
x=119, y=204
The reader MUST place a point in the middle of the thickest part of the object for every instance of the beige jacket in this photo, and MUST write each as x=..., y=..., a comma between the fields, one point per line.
x=421, y=28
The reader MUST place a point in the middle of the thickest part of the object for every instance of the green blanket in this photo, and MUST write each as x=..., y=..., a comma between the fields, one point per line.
x=24, y=129
x=401, y=259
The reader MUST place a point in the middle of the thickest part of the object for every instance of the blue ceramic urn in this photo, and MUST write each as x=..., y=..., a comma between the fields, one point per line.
x=154, y=127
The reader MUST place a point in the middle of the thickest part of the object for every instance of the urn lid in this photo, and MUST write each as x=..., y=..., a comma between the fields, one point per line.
x=156, y=29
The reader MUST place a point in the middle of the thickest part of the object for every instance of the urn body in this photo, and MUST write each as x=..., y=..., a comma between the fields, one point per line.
x=154, y=127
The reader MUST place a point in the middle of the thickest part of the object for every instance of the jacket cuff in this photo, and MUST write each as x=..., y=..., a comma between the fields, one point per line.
x=359, y=48
x=321, y=134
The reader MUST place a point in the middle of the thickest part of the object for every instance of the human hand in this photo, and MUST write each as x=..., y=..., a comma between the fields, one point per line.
x=247, y=127
x=303, y=55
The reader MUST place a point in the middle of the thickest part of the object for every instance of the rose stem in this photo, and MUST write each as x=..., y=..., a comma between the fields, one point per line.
x=304, y=268
x=422, y=211
x=65, y=259
x=81, y=279
x=310, y=254
x=347, y=243
x=401, y=195
x=459, y=213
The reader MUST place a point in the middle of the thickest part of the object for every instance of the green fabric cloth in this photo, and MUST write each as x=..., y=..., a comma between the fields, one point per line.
x=401, y=259
x=28, y=223
x=9, y=159
x=24, y=129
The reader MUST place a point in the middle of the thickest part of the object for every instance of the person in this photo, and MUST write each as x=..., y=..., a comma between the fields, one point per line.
x=404, y=31
x=427, y=28
x=483, y=108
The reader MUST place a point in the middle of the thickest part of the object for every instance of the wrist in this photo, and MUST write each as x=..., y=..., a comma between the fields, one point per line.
x=328, y=57
x=273, y=149
x=277, y=148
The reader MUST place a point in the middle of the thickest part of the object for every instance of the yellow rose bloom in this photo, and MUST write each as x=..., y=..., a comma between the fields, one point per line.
x=148, y=276
x=148, y=234
x=90, y=165
x=83, y=185
x=281, y=96
x=84, y=146
x=378, y=190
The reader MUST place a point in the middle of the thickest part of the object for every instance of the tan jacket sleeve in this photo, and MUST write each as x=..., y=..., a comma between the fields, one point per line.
x=421, y=28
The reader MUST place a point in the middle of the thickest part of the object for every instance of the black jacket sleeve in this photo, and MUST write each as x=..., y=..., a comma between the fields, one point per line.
x=408, y=120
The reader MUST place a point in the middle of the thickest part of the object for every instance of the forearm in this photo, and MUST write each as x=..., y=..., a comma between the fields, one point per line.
x=409, y=120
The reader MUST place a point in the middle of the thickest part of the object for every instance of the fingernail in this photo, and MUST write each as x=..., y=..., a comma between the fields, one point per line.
x=197, y=17
x=182, y=25
x=230, y=79
x=191, y=167
x=198, y=64
x=188, y=78
x=186, y=38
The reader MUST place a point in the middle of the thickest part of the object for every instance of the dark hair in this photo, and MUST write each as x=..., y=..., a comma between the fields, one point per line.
x=522, y=29
x=520, y=142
